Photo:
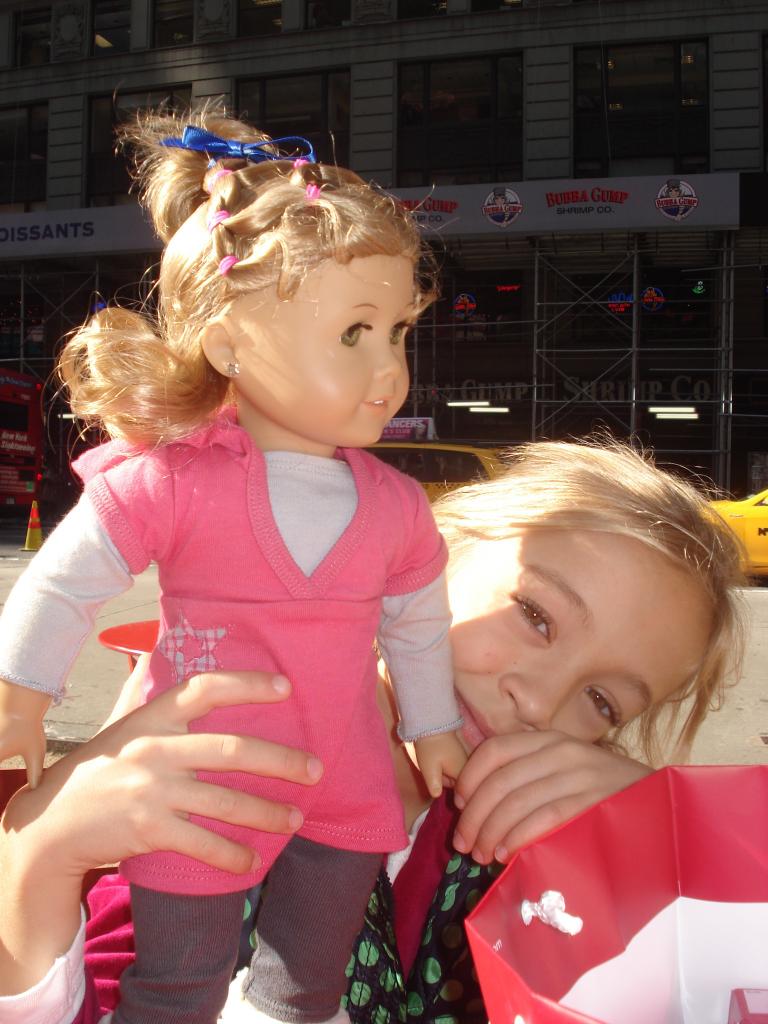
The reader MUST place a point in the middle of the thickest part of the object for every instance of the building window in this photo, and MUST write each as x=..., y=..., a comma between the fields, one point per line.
x=259, y=17
x=460, y=121
x=33, y=37
x=420, y=8
x=23, y=157
x=495, y=5
x=328, y=13
x=641, y=109
x=315, y=106
x=108, y=178
x=111, y=26
x=173, y=22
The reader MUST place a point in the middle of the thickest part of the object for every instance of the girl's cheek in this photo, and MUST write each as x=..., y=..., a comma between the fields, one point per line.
x=474, y=649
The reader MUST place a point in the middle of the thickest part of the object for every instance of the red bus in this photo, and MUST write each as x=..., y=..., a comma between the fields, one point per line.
x=21, y=437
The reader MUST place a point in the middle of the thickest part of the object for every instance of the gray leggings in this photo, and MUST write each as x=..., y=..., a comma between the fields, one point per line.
x=313, y=904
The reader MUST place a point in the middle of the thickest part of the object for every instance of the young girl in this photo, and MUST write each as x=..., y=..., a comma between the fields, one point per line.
x=590, y=590
x=287, y=287
x=593, y=596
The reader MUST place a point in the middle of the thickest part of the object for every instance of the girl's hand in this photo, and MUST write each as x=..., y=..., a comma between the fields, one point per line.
x=518, y=786
x=132, y=788
x=129, y=790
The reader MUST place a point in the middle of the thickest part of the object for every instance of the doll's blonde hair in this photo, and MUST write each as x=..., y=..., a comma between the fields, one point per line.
x=149, y=381
x=606, y=486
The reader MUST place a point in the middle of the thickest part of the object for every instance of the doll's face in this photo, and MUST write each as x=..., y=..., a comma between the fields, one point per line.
x=327, y=367
x=570, y=630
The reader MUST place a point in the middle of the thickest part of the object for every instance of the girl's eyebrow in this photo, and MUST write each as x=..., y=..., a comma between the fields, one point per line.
x=554, y=578
x=642, y=688
x=365, y=305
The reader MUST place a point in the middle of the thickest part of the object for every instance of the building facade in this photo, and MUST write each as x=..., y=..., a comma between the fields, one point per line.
x=591, y=174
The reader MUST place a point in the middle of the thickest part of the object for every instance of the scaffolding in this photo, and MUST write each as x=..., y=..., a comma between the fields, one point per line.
x=616, y=332
x=620, y=371
x=605, y=329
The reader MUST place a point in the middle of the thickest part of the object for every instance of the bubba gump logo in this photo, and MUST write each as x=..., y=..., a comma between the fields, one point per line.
x=431, y=210
x=502, y=207
x=676, y=199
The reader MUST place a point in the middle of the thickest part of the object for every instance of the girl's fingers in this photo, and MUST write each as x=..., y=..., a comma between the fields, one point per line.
x=498, y=752
x=201, y=693
x=190, y=840
x=544, y=800
x=235, y=808
x=521, y=800
x=213, y=752
x=500, y=766
x=536, y=824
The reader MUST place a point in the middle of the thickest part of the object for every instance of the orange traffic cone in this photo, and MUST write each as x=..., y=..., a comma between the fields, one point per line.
x=34, y=539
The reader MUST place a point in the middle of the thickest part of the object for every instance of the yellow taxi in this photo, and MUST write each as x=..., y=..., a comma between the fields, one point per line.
x=440, y=468
x=749, y=521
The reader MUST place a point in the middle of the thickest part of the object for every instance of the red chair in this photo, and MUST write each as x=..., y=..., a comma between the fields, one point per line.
x=11, y=779
x=131, y=638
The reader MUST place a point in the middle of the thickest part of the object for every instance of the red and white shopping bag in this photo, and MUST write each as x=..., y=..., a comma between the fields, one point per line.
x=670, y=881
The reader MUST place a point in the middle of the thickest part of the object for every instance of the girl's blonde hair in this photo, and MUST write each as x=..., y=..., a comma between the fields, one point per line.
x=150, y=382
x=605, y=486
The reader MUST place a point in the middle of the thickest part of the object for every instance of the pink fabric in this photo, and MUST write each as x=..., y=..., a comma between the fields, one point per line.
x=232, y=597
x=418, y=879
x=109, y=945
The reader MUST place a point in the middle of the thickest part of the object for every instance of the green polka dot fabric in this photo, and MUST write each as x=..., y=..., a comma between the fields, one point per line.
x=442, y=987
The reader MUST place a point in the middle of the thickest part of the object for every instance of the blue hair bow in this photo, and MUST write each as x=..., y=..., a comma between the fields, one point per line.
x=202, y=141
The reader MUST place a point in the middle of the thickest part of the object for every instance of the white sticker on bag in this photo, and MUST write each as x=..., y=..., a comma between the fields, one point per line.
x=550, y=909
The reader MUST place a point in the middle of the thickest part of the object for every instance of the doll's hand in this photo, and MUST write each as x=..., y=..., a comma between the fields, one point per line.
x=440, y=758
x=517, y=787
x=21, y=727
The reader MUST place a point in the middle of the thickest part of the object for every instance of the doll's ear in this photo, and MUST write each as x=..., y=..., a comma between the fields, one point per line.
x=216, y=343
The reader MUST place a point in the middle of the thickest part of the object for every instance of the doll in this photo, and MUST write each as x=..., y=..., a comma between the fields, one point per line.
x=286, y=289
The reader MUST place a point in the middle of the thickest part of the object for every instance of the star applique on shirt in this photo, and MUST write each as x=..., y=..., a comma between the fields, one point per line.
x=190, y=650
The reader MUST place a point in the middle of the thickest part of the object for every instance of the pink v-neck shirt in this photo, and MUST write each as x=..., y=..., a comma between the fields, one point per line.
x=233, y=598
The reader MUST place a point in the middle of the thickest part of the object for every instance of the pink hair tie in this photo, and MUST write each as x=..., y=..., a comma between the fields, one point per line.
x=312, y=193
x=300, y=161
x=226, y=264
x=222, y=173
x=216, y=218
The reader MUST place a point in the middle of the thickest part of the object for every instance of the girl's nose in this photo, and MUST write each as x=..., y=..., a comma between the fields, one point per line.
x=536, y=700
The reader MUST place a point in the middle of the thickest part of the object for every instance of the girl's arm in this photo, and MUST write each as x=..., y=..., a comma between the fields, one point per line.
x=131, y=790
x=516, y=787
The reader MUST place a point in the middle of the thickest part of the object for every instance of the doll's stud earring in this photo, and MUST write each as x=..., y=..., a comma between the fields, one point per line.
x=233, y=369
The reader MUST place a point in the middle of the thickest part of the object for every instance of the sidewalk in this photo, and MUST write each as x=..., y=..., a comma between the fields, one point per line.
x=738, y=734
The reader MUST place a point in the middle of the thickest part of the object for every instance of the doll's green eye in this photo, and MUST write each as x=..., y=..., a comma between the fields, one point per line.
x=398, y=333
x=352, y=335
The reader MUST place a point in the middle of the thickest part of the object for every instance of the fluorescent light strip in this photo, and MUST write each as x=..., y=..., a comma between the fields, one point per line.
x=489, y=408
x=677, y=415
x=671, y=408
x=464, y=405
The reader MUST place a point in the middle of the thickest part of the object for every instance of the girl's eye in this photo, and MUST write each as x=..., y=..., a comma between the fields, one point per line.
x=604, y=706
x=352, y=335
x=398, y=333
x=535, y=616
